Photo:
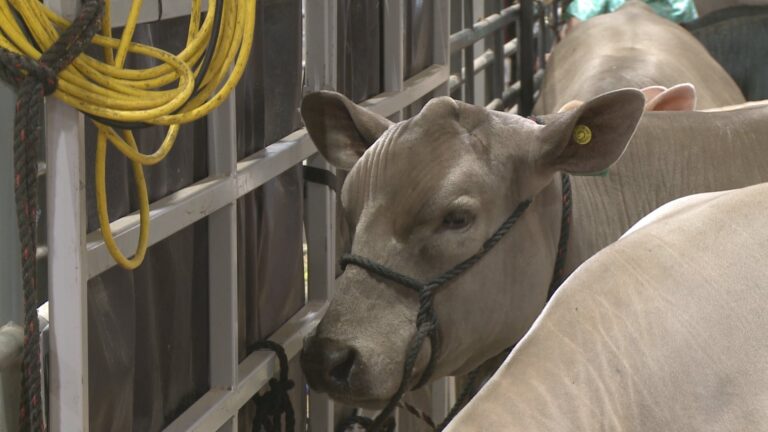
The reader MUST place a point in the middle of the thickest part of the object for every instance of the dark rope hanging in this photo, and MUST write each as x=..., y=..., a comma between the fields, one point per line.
x=275, y=403
x=565, y=233
x=33, y=80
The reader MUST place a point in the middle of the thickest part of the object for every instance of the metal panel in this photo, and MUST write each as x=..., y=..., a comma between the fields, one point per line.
x=195, y=202
x=483, y=28
x=214, y=409
x=482, y=62
x=180, y=209
x=222, y=258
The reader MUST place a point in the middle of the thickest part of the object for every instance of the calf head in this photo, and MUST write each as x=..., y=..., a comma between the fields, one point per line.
x=423, y=195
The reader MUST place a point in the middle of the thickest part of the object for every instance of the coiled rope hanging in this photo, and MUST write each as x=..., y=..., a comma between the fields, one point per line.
x=183, y=88
x=41, y=53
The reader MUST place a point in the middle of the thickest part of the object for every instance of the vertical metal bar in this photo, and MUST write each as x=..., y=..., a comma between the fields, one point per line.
x=469, y=56
x=320, y=202
x=543, y=31
x=394, y=69
x=67, y=291
x=498, y=55
x=321, y=33
x=456, y=60
x=556, y=19
x=10, y=260
x=68, y=294
x=443, y=397
x=222, y=258
x=489, y=8
x=441, y=55
x=394, y=48
x=525, y=36
x=442, y=34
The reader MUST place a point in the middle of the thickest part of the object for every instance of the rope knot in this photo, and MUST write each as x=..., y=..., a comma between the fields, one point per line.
x=46, y=76
x=275, y=403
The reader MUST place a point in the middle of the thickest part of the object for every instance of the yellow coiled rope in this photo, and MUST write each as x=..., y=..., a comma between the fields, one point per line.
x=112, y=94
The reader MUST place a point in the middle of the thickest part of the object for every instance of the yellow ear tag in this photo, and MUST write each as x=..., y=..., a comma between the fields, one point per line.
x=582, y=134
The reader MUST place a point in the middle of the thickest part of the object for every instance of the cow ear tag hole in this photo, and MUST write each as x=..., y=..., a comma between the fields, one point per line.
x=582, y=134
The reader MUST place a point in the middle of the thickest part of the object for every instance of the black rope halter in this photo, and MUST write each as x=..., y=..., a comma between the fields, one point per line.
x=426, y=320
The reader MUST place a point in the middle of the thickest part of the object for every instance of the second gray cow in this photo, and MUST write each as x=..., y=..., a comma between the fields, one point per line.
x=632, y=47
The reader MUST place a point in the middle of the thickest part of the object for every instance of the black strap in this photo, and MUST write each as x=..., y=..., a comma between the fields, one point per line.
x=321, y=176
x=559, y=274
x=275, y=404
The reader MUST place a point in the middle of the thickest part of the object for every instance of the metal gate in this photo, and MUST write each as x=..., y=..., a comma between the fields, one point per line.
x=489, y=52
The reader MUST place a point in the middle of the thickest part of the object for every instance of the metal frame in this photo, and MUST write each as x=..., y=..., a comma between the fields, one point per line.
x=75, y=257
x=531, y=40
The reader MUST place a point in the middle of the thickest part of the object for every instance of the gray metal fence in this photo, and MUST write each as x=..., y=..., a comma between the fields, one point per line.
x=479, y=51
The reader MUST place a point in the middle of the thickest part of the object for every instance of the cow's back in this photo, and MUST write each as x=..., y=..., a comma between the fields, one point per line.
x=664, y=330
x=632, y=47
x=671, y=155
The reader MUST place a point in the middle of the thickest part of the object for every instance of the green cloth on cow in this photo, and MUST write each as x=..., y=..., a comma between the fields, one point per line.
x=675, y=10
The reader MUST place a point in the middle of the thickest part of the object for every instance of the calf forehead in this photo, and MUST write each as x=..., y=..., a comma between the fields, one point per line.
x=420, y=151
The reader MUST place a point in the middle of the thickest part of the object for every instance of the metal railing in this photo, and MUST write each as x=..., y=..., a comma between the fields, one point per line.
x=527, y=20
x=75, y=256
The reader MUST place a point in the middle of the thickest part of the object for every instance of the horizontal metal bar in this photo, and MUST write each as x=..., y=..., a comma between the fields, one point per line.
x=512, y=93
x=191, y=204
x=414, y=88
x=538, y=77
x=212, y=410
x=495, y=104
x=483, y=28
x=510, y=48
x=481, y=63
x=151, y=10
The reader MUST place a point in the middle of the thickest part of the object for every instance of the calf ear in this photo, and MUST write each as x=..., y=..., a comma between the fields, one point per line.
x=570, y=106
x=681, y=97
x=590, y=138
x=341, y=130
x=652, y=91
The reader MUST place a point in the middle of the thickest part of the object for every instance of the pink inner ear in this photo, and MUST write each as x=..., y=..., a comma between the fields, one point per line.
x=570, y=106
x=681, y=97
x=652, y=91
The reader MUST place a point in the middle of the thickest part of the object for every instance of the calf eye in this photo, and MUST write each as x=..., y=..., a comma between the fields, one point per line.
x=457, y=220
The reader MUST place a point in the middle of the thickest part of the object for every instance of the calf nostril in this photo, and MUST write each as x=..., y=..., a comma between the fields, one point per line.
x=344, y=360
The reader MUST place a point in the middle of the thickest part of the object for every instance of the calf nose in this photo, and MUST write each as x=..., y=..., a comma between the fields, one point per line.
x=327, y=363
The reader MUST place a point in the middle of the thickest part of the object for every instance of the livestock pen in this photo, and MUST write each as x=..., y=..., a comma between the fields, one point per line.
x=242, y=220
x=167, y=345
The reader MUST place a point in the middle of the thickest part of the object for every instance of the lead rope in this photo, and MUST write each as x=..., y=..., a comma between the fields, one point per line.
x=33, y=80
x=426, y=320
